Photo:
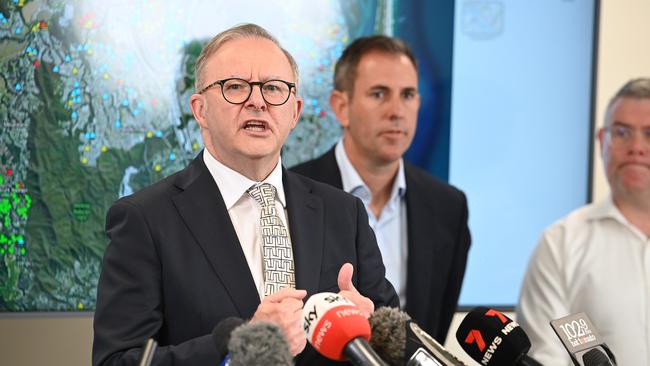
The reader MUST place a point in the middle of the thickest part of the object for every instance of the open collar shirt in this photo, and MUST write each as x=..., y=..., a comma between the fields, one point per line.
x=593, y=261
x=390, y=227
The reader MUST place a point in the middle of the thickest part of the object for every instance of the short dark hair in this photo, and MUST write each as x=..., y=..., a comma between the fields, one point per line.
x=636, y=88
x=345, y=71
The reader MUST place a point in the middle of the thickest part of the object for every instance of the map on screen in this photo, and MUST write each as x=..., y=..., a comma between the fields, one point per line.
x=94, y=106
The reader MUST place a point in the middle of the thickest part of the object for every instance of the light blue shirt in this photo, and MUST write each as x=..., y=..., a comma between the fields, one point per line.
x=390, y=228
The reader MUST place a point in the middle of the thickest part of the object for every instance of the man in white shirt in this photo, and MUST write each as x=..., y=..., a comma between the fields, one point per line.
x=233, y=234
x=420, y=222
x=597, y=259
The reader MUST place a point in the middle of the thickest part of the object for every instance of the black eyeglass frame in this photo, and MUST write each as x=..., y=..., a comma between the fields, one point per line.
x=250, y=91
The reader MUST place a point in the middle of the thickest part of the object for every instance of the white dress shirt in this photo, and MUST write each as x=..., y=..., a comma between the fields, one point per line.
x=592, y=261
x=390, y=228
x=245, y=212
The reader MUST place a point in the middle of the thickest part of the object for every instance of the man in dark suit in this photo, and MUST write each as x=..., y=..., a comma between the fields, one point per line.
x=420, y=222
x=191, y=250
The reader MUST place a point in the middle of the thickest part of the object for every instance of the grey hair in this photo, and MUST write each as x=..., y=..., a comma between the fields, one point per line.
x=240, y=31
x=635, y=88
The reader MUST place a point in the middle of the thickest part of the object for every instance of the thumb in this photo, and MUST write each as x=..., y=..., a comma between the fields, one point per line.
x=345, y=278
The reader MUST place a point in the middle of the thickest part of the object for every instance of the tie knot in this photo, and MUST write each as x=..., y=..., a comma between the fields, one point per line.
x=263, y=193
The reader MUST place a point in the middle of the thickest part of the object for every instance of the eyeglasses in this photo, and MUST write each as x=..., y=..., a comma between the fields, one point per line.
x=621, y=135
x=237, y=91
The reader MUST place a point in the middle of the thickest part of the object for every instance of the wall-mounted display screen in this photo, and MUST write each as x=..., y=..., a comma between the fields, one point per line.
x=94, y=106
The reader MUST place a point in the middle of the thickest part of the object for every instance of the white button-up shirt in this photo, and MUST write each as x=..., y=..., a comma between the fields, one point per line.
x=592, y=261
x=390, y=228
x=245, y=212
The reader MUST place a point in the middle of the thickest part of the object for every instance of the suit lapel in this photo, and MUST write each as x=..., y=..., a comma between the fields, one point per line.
x=330, y=169
x=420, y=231
x=202, y=208
x=420, y=235
x=305, y=214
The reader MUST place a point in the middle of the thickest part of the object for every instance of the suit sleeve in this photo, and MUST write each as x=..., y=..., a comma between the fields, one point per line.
x=371, y=273
x=456, y=274
x=542, y=299
x=129, y=298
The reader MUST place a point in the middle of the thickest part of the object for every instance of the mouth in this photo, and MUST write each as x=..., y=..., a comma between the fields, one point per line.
x=393, y=132
x=256, y=126
x=635, y=165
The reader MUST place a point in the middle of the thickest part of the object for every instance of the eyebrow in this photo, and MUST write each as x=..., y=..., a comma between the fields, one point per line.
x=623, y=124
x=626, y=125
x=272, y=77
x=385, y=87
x=379, y=86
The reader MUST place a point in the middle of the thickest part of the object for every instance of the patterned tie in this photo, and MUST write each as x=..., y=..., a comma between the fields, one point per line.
x=277, y=255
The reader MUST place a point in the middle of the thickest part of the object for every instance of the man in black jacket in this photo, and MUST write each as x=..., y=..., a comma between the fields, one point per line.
x=193, y=249
x=420, y=222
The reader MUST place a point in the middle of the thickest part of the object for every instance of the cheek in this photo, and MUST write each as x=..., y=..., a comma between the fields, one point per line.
x=413, y=123
x=611, y=162
x=365, y=130
x=284, y=120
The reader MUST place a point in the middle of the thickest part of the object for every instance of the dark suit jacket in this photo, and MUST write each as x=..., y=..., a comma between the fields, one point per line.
x=174, y=267
x=438, y=242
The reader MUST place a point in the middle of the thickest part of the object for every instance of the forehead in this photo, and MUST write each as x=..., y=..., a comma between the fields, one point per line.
x=631, y=111
x=390, y=69
x=249, y=58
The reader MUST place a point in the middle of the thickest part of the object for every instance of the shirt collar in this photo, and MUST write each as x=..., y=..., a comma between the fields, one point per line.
x=233, y=185
x=607, y=209
x=351, y=179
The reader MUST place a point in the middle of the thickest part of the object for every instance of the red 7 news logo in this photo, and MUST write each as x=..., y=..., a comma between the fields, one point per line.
x=475, y=336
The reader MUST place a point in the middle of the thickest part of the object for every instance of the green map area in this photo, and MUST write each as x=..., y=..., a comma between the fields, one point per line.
x=81, y=124
x=64, y=151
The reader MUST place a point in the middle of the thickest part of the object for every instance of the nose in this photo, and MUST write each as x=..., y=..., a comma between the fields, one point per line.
x=639, y=145
x=396, y=108
x=255, y=100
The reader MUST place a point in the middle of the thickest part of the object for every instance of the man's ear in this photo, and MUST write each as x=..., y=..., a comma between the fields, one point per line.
x=198, y=106
x=603, y=143
x=340, y=104
x=297, y=111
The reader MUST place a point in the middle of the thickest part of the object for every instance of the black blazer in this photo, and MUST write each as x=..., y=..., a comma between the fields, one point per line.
x=174, y=267
x=438, y=242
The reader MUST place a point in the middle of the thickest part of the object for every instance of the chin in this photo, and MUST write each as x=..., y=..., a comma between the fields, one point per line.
x=392, y=154
x=258, y=153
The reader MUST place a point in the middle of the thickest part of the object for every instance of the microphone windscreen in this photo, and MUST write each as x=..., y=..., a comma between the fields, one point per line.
x=389, y=334
x=221, y=334
x=259, y=343
x=595, y=357
x=331, y=322
x=491, y=338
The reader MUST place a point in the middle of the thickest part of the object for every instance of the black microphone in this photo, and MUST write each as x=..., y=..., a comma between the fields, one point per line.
x=221, y=334
x=491, y=338
x=582, y=341
x=258, y=344
x=400, y=341
x=596, y=357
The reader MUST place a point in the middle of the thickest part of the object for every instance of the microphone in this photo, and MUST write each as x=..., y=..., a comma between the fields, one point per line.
x=147, y=353
x=338, y=330
x=222, y=332
x=400, y=341
x=258, y=344
x=582, y=341
x=491, y=338
x=596, y=357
